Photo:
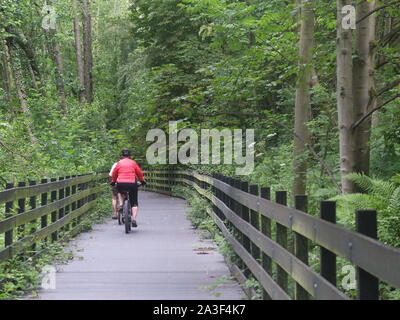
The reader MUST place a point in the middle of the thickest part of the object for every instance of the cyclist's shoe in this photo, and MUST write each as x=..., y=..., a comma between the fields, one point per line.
x=134, y=224
x=115, y=217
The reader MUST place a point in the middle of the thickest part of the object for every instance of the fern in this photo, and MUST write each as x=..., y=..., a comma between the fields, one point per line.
x=375, y=187
x=383, y=196
x=394, y=202
x=359, y=201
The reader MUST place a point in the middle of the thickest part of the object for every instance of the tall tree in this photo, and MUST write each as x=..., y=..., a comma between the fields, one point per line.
x=302, y=107
x=21, y=92
x=56, y=55
x=345, y=97
x=78, y=52
x=6, y=72
x=364, y=83
x=87, y=51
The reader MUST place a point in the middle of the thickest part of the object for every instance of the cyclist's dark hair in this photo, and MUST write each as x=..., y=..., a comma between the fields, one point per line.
x=126, y=153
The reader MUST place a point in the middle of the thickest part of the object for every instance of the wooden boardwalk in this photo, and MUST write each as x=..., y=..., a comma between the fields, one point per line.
x=164, y=258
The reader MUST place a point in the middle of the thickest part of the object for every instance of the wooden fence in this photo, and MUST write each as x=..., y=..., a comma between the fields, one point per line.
x=37, y=214
x=264, y=234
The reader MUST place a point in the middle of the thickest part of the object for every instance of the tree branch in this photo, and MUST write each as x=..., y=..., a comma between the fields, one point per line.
x=388, y=87
x=387, y=38
x=394, y=3
x=363, y=118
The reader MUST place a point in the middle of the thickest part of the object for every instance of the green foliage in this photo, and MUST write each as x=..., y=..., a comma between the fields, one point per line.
x=217, y=283
x=381, y=195
x=255, y=285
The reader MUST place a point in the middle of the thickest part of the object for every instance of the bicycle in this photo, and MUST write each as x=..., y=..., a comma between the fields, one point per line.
x=126, y=216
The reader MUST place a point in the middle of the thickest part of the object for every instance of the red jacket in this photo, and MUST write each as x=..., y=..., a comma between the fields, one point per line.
x=126, y=171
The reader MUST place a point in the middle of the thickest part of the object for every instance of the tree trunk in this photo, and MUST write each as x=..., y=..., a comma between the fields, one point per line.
x=363, y=83
x=302, y=107
x=58, y=61
x=60, y=74
x=6, y=73
x=87, y=51
x=57, y=58
x=17, y=75
x=20, y=39
x=78, y=48
x=345, y=99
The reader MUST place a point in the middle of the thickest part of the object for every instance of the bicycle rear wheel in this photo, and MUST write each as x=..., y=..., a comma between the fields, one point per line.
x=127, y=216
x=120, y=220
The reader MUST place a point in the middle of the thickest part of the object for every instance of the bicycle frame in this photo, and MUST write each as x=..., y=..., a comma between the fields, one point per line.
x=127, y=211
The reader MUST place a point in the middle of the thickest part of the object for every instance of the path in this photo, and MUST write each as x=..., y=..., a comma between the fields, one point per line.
x=162, y=259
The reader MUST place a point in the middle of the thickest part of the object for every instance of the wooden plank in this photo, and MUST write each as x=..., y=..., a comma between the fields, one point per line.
x=17, y=220
x=25, y=242
x=262, y=276
x=356, y=248
x=361, y=250
x=314, y=283
x=29, y=191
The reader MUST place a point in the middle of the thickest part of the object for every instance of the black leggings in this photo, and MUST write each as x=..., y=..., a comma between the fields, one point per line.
x=132, y=188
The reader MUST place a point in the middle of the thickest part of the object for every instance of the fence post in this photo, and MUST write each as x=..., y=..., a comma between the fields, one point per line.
x=368, y=285
x=53, y=197
x=244, y=186
x=61, y=194
x=238, y=212
x=21, y=209
x=237, y=208
x=43, y=219
x=214, y=192
x=73, y=204
x=255, y=222
x=225, y=198
x=229, y=181
x=301, y=247
x=328, y=258
x=67, y=207
x=281, y=239
x=266, y=229
x=32, y=204
x=245, y=215
x=79, y=203
x=8, y=236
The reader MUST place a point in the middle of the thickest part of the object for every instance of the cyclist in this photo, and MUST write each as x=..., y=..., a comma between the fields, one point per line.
x=114, y=193
x=126, y=174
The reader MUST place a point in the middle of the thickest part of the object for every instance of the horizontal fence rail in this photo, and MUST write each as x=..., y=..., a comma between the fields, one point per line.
x=238, y=207
x=56, y=208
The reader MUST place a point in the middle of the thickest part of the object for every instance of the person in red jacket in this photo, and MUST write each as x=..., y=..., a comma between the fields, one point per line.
x=126, y=175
